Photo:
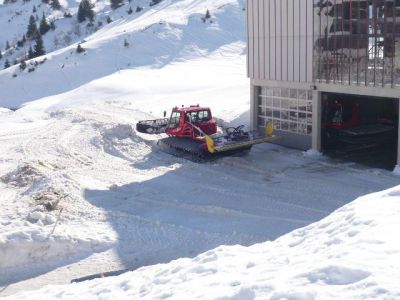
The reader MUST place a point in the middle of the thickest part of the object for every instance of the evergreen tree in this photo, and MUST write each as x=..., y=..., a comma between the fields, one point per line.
x=45, y=1
x=22, y=65
x=24, y=39
x=116, y=3
x=154, y=2
x=139, y=8
x=7, y=45
x=52, y=25
x=130, y=11
x=6, y=64
x=34, y=9
x=208, y=15
x=44, y=27
x=32, y=28
x=126, y=44
x=85, y=11
x=30, y=53
x=80, y=49
x=55, y=4
x=39, y=46
x=1, y=55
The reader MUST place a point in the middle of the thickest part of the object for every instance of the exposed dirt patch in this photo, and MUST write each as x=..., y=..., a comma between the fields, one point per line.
x=49, y=199
x=24, y=175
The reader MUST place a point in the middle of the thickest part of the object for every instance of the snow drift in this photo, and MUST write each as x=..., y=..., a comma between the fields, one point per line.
x=351, y=254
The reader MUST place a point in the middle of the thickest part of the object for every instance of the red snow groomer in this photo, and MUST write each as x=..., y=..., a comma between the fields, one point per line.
x=192, y=130
x=344, y=123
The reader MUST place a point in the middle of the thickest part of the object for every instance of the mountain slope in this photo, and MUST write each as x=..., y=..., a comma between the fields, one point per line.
x=170, y=31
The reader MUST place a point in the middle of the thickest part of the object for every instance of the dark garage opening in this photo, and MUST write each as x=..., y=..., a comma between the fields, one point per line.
x=360, y=129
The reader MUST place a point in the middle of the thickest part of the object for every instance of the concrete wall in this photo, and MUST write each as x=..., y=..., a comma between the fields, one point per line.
x=280, y=39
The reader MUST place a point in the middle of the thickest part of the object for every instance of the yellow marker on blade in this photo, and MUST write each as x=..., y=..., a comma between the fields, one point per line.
x=269, y=129
x=210, y=144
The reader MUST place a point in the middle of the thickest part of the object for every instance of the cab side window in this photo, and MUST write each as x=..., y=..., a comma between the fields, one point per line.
x=204, y=116
x=174, y=120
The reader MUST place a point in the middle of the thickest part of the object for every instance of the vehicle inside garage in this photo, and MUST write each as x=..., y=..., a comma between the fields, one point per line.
x=361, y=129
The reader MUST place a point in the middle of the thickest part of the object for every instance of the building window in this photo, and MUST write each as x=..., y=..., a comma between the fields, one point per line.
x=288, y=109
x=357, y=42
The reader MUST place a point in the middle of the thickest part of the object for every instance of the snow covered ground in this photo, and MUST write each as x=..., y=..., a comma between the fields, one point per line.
x=351, y=254
x=126, y=205
x=83, y=193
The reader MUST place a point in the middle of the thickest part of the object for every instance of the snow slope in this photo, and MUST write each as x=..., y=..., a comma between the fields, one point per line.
x=351, y=254
x=163, y=34
x=15, y=17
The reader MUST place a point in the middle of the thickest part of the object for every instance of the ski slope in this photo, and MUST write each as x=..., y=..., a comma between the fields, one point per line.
x=169, y=32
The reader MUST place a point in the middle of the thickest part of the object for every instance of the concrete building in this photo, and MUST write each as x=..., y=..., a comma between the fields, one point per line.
x=303, y=55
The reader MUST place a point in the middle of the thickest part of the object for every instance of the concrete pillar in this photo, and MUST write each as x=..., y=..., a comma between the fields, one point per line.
x=253, y=107
x=316, y=121
x=398, y=137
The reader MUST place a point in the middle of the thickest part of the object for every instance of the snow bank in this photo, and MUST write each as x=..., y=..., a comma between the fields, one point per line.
x=353, y=253
x=312, y=153
x=396, y=170
x=4, y=110
x=34, y=237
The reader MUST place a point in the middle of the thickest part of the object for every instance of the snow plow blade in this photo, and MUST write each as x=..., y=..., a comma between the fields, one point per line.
x=213, y=147
x=239, y=145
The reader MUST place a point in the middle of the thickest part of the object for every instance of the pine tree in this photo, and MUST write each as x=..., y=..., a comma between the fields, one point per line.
x=22, y=65
x=130, y=11
x=52, y=25
x=1, y=55
x=6, y=64
x=34, y=9
x=45, y=1
x=139, y=8
x=80, y=49
x=32, y=28
x=7, y=45
x=44, y=27
x=116, y=3
x=85, y=11
x=30, y=53
x=208, y=15
x=39, y=46
x=24, y=39
x=55, y=4
x=126, y=44
x=154, y=2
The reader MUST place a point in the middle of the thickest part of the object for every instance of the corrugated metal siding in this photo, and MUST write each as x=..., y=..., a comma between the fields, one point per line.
x=280, y=39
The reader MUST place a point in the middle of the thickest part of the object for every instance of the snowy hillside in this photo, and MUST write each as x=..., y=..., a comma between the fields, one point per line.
x=172, y=31
x=352, y=254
